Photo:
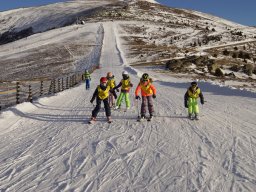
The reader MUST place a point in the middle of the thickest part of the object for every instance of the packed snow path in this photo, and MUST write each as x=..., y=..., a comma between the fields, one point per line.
x=48, y=145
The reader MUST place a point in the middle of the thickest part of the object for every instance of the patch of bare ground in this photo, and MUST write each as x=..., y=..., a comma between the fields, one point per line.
x=248, y=84
x=46, y=61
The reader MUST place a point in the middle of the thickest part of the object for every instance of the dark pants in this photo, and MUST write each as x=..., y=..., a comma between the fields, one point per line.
x=98, y=105
x=87, y=83
x=147, y=101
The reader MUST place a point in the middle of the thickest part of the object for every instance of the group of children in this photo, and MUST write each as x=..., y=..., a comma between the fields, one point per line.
x=145, y=91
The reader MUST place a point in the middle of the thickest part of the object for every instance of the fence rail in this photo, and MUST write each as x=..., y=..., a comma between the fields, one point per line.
x=16, y=92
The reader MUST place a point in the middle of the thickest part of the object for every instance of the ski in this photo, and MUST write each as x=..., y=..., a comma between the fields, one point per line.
x=193, y=118
x=149, y=118
x=139, y=119
x=91, y=122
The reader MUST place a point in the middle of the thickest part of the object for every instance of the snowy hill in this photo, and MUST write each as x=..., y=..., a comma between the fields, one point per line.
x=152, y=34
x=48, y=145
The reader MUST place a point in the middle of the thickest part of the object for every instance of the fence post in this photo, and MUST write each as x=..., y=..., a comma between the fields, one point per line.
x=54, y=86
x=50, y=89
x=62, y=82
x=70, y=81
x=58, y=85
x=30, y=94
x=41, y=88
x=67, y=83
x=17, y=93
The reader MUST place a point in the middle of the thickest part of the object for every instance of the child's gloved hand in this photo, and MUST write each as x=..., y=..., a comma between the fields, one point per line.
x=137, y=97
x=91, y=101
x=154, y=96
x=186, y=104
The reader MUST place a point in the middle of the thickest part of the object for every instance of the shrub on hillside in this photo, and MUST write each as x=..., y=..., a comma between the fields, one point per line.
x=248, y=69
x=173, y=64
x=212, y=67
x=241, y=54
x=219, y=72
x=215, y=55
x=235, y=68
x=234, y=55
x=226, y=52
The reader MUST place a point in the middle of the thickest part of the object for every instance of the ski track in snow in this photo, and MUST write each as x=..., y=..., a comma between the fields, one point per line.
x=52, y=148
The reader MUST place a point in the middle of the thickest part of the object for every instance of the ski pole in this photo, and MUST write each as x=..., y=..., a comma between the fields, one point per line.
x=203, y=108
x=156, y=105
x=138, y=110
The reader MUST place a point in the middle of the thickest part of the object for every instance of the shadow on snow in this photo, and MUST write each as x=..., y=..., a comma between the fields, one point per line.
x=210, y=88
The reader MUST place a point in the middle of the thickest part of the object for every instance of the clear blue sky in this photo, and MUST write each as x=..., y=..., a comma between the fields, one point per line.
x=240, y=11
x=13, y=4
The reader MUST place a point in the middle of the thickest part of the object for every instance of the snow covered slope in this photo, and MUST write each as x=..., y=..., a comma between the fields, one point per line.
x=48, y=145
x=151, y=34
x=46, y=17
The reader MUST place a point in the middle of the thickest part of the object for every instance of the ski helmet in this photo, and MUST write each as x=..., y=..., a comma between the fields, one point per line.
x=103, y=80
x=86, y=71
x=194, y=84
x=145, y=77
x=125, y=73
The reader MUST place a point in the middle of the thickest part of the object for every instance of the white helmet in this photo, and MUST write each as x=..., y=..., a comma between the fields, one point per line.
x=125, y=73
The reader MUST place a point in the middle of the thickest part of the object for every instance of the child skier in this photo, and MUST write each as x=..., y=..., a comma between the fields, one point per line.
x=190, y=100
x=87, y=77
x=101, y=93
x=125, y=85
x=111, y=83
x=148, y=91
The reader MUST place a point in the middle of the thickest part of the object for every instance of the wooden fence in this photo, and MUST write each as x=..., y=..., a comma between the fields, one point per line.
x=16, y=92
